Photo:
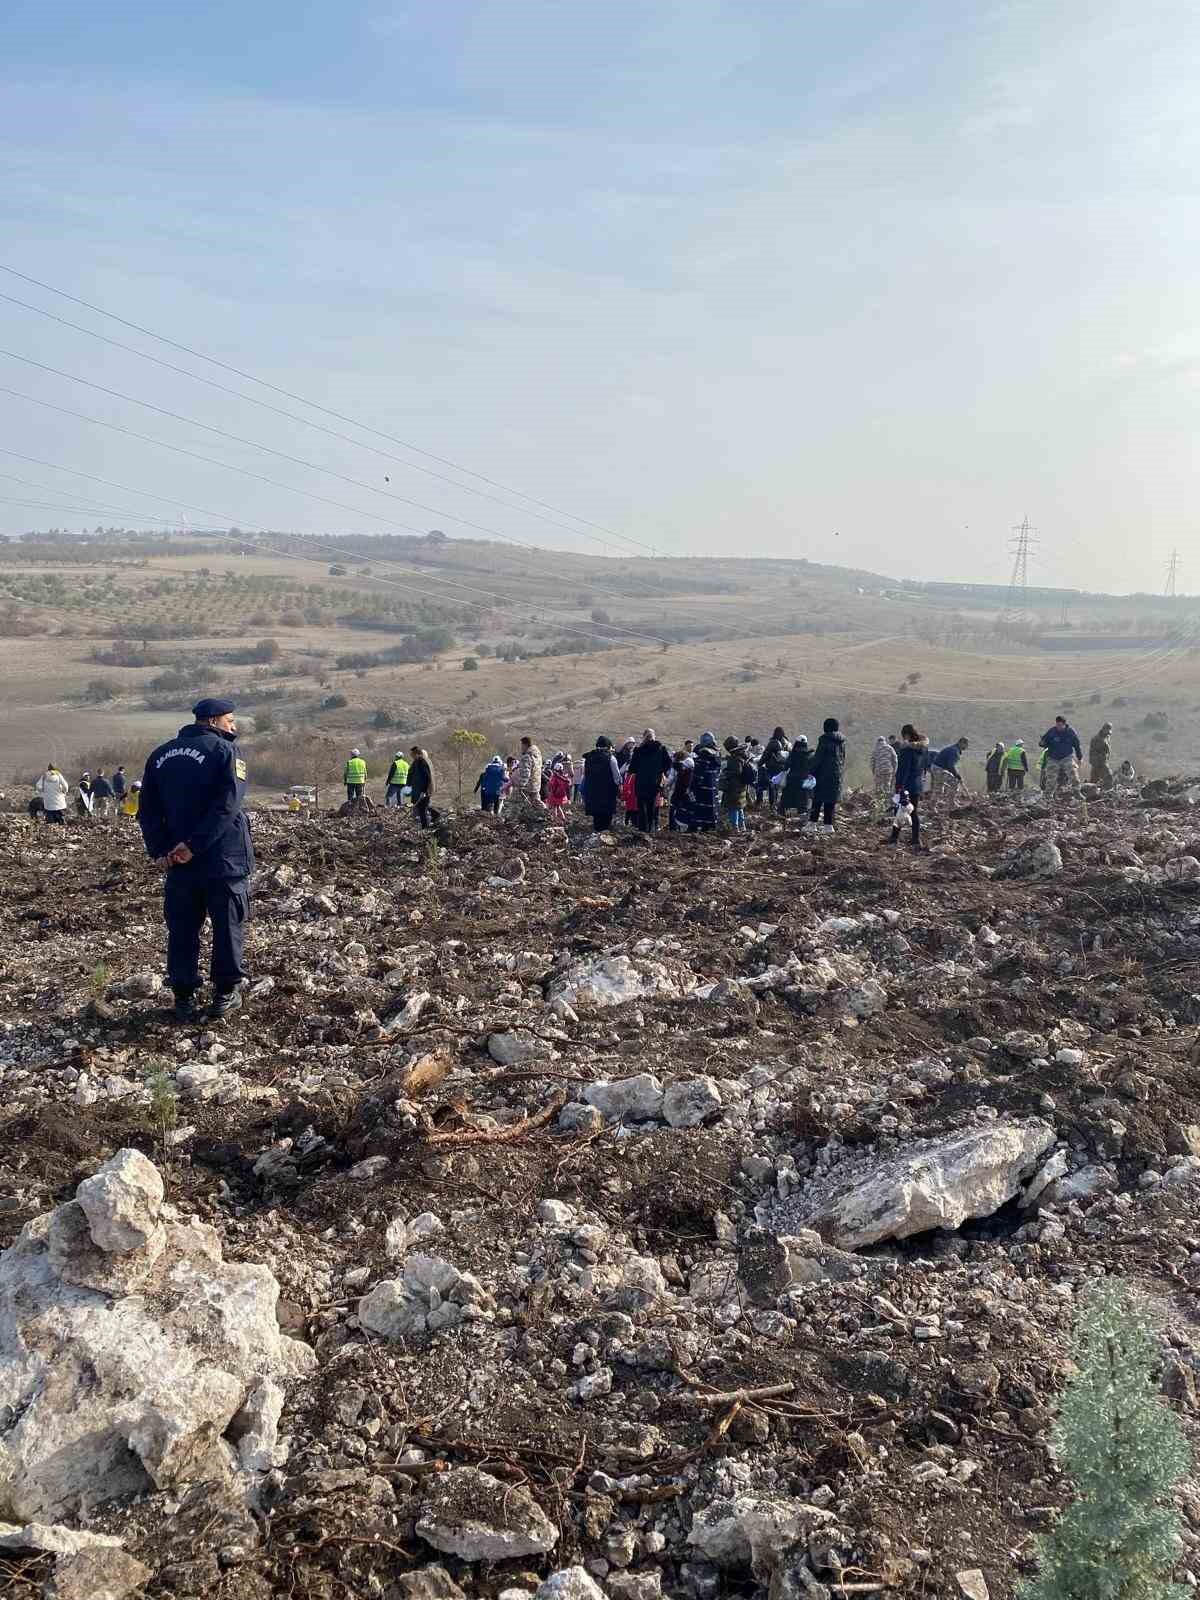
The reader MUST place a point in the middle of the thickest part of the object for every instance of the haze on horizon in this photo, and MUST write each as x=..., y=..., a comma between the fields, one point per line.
x=845, y=280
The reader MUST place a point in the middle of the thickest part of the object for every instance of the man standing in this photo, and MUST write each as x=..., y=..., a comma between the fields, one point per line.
x=120, y=786
x=355, y=776
x=649, y=764
x=102, y=794
x=191, y=818
x=529, y=776
x=947, y=779
x=396, y=779
x=1063, y=751
x=1099, y=757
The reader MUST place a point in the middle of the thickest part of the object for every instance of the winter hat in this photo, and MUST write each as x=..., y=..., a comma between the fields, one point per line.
x=707, y=741
x=212, y=707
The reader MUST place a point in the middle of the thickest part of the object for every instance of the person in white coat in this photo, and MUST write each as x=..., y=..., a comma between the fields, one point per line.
x=53, y=790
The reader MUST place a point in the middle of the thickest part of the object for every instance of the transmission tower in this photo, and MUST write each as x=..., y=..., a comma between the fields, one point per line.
x=1173, y=565
x=1016, y=607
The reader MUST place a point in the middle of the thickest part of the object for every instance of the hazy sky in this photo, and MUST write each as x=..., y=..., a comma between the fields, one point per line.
x=857, y=280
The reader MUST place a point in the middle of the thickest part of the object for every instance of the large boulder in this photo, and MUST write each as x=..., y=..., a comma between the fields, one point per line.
x=126, y=1368
x=753, y=1532
x=635, y=1099
x=690, y=1102
x=470, y=1514
x=122, y=1202
x=932, y=1183
x=602, y=981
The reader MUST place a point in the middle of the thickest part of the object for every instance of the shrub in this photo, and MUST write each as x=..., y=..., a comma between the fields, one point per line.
x=99, y=690
x=470, y=664
x=1126, y=1452
x=334, y=702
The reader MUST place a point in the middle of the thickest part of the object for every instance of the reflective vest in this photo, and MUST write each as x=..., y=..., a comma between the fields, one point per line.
x=399, y=773
x=356, y=770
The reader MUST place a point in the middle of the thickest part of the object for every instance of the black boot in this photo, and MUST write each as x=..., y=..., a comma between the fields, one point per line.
x=224, y=1002
x=185, y=1009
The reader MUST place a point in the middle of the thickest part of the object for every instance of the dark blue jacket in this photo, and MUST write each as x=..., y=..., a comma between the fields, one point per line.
x=948, y=759
x=192, y=793
x=1059, y=743
x=491, y=779
x=912, y=764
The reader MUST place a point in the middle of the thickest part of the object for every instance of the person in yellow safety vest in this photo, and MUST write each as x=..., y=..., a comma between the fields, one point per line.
x=293, y=802
x=396, y=779
x=1016, y=765
x=355, y=776
x=129, y=806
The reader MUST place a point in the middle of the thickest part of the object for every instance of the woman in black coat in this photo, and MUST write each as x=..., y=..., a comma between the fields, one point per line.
x=794, y=796
x=828, y=767
x=912, y=770
x=702, y=791
x=420, y=782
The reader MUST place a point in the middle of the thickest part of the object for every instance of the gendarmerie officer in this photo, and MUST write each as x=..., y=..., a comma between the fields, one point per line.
x=191, y=817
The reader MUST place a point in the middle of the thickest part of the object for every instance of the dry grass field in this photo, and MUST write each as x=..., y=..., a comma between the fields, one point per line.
x=682, y=645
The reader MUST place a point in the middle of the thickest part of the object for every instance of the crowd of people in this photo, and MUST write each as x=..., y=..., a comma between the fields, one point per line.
x=706, y=784
x=189, y=804
x=702, y=785
x=98, y=795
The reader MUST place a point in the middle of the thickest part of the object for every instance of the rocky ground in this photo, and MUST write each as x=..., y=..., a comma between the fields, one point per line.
x=619, y=1217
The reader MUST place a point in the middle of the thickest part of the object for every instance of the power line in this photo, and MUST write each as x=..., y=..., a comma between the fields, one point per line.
x=609, y=638
x=1016, y=606
x=327, y=411
x=75, y=510
x=275, y=483
x=283, y=455
x=307, y=422
x=1173, y=564
x=505, y=600
x=90, y=505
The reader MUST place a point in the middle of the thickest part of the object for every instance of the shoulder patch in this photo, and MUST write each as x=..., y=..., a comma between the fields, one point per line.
x=239, y=768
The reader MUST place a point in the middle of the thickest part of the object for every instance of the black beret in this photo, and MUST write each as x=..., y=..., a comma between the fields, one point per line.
x=212, y=708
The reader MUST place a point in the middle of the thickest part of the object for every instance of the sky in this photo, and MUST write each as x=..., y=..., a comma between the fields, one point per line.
x=850, y=280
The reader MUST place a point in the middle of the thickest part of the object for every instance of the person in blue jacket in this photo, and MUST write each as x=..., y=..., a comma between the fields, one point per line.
x=191, y=818
x=489, y=784
x=1063, y=753
x=947, y=779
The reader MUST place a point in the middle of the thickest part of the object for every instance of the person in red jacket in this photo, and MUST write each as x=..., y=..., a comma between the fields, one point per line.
x=629, y=799
x=558, y=796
